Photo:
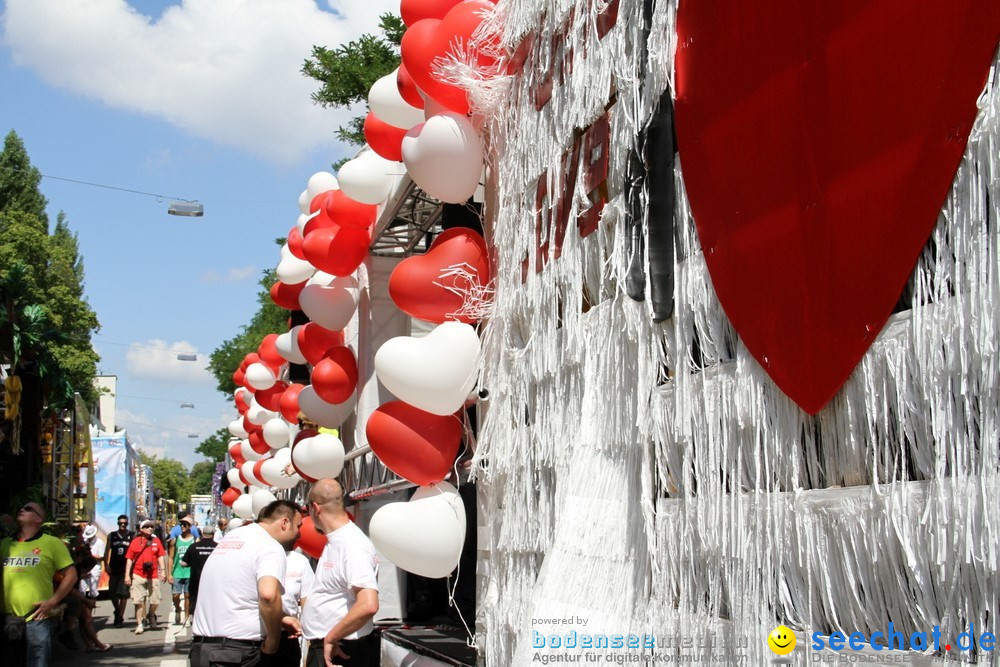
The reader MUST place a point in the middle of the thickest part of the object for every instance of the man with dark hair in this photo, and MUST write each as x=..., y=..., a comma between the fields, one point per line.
x=195, y=559
x=337, y=618
x=239, y=615
x=176, y=530
x=30, y=561
x=114, y=565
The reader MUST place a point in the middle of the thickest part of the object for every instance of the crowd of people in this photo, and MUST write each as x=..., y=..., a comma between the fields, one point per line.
x=248, y=596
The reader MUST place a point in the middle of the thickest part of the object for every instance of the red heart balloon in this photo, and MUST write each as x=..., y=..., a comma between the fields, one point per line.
x=242, y=401
x=229, y=496
x=818, y=147
x=430, y=41
x=236, y=454
x=408, y=88
x=386, y=140
x=412, y=11
x=295, y=242
x=303, y=434
x=347, y=212
x=337, y=250
x=239, y=377
x=288, y=405
x=336, y=375
x=286, y=296
x=315, y=340
x=419, y=284
x=318, y=202
x=256, y=469
x=251, y=358
x=257, y=442
x=270, y=399
x=414, y=444
x=268, y=352
x=311, y=540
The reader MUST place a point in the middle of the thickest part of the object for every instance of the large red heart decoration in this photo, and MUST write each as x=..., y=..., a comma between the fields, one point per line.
x=270, y=399
x=408, y=88
x=268, y=353
x=314, y=341
x=422, y=285
x=414, y=444
x=348, y=212
x=336, y=375
x=819, y=141
x=295, y=242
x=337, y=250
x=386, y=140
x=286, y=296
x=311, y=539
x=288, y=404
x=430, y=42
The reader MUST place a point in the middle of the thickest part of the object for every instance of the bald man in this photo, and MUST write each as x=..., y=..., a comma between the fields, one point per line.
x=337, y=618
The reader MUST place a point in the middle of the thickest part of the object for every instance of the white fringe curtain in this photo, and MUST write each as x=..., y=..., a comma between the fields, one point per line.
x=650, y=488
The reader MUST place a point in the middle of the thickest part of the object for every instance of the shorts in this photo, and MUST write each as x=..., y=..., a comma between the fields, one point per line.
x=116, y=586
x=180, y=586
x=145, y=590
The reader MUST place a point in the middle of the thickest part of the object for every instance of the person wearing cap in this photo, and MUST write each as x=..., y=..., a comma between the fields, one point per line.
x=176, y=530
x=114, y=565
x=89, y=582
x=195, y=559
x=143, y=572
x=179, y=575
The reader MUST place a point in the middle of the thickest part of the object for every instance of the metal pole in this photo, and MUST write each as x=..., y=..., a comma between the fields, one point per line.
x=355, y=453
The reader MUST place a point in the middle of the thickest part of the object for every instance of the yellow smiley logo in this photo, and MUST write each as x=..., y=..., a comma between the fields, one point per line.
x=781, y=640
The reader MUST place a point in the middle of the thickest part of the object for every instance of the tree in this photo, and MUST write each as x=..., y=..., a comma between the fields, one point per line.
x=202, y=474
x=348, y=71
x=215, y=446
x=170, y=477
x=20, y=181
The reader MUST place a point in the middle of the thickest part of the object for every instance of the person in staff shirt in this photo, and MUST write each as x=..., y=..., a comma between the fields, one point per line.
x=239, y=618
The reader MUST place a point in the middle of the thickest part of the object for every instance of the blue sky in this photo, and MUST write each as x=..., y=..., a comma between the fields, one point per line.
x=200, y=99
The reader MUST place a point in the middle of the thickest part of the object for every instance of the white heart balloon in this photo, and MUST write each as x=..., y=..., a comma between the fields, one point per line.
x=261, y=499
x=237, y=430
x=273, y=472
x=248, y=453
x=292, y=270
x=257, y=414
x=276, y=432
x=247, y=470
x=434, y=373
x=233, y=475
x=304, y=202
x=260, y=376
x=330, y=306
x=243, y=507
x=369, y=178
x=388, y=105
x=234, y=523
x=287, y=345
x=425, y=535
x=321, y=181
x=319, y=457
x=303, y=219
x=444, y=156
x=322, y=413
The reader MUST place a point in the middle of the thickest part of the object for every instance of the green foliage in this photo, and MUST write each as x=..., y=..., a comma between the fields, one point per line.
x=215, y=446
x=348, y=71
x=201, y=477
x=19, y=182
x=268, y=319
x=170, y=477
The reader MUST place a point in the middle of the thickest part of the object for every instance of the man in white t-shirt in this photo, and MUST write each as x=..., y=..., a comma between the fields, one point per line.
x=239, y=615
x=298, y=583
x=337, y=618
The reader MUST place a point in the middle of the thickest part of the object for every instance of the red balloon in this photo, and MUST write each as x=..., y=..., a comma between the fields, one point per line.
x=407, y=88
x=286, y=296
x=269, y=355
x=256, y=470
x=318, y=202
x=337, y=250
x=288, y=404
x=270, y=399
x=243, y=478
x=430, y=40
x=251, y=358
x=258, y=444
x=414, y=444
x=239, y=377
x=315, y=340
x=336, y=375
x=418, y=288
x=295, y=242
x=242, y=404
x=229, y=496
x=412, y=11
x=236, y=454
x=250, y=427
x=311, y=540
x=303, y=434
x=386, y=140
x=347, y=212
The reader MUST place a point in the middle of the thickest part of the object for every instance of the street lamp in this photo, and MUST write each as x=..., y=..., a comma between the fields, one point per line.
x=187, y=209
x=187, y=405
x=187, y=356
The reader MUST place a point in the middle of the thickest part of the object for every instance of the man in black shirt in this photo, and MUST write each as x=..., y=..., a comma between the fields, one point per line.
x=114, y=565
x=195, y=558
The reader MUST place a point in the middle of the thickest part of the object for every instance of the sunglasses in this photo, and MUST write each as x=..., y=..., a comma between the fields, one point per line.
x=146, y=528
x=123, y=523
x=29, y=508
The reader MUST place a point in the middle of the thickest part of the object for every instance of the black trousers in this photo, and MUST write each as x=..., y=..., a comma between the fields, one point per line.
x=228, y=653
x=363, y=652
x=289, y=652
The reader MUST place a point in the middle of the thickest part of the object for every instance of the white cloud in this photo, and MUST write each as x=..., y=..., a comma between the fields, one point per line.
x=233, y=275
x=224, y=70
x=157, y=360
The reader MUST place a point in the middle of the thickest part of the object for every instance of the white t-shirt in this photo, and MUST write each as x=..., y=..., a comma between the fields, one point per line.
x=227, y=593
x=298, y=582
x=348, y=561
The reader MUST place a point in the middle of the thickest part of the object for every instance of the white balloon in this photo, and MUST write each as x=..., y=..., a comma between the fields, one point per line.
x=425, y=535
x=257, y=414
x=234, y=523
x=304, y=202
x=444, y=156
x=243, y=508
x=330, y=306
x=388, y=105
x=247, y=470
x=276, y=432
x=320, y=456
x=233, y=475
x=321, y=278
x=283, y=455
x=260, y=376
x=325, y=414
x=292, y=270
x=287, y=345
x=369, y=178
x=434, y=373
x=321, y=181
x=236, y=428
x=261, y=499
x=248, y=453
x=273, y=472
